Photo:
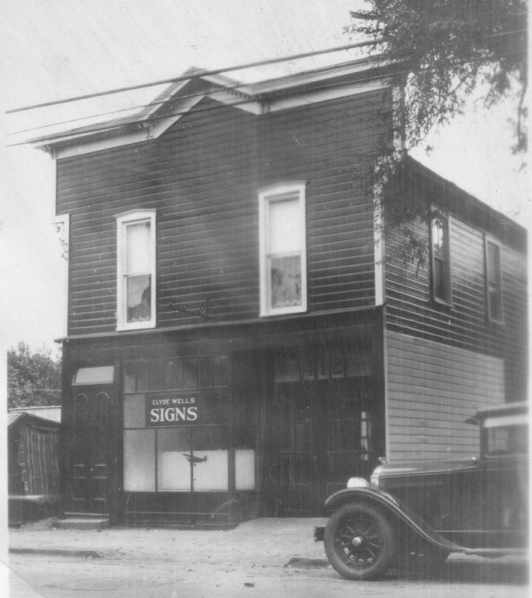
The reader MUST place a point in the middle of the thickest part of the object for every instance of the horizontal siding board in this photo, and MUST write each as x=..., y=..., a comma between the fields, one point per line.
x=464, y=323
x=202, y=176
x=431, y=388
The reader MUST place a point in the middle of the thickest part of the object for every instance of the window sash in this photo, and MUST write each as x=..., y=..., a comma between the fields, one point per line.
x=136, y=271
x=493, y=281
x=288, y=242
x=137, y=250
x=440, y=262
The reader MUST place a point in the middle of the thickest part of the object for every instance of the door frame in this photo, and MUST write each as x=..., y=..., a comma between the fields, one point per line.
x=113, y=448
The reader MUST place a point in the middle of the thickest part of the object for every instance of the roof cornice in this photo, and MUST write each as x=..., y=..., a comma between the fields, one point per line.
x=281, y=93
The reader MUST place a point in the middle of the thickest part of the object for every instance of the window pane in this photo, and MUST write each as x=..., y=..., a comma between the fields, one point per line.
x=138, y=298
x=494, y=298
x=139, y=460
x=439, y=239
x=245, y=469
x=493, y=275
x=211, y=471
x=138, y=248
x=134, y=411
x=285, y=226
x=440, y=282
x=493, y=263
x=510, y=439
x=285, y=281
x=173, y=461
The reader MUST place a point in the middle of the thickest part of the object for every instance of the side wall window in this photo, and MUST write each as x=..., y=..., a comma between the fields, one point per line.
x=136, y=270
x=283, y=269
x=493, y=281
x=439, y=244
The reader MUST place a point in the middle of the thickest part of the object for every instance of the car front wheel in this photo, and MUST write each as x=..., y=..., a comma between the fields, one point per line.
x=359, y=541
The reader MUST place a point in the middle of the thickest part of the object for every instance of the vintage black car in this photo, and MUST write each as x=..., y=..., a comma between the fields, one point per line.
x=425, y=511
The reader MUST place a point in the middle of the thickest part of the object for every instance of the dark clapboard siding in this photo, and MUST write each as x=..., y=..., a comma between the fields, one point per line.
x=464, y=322
x=202, y=176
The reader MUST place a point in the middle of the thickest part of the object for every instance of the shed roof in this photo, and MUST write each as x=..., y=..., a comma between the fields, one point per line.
x=45, y=414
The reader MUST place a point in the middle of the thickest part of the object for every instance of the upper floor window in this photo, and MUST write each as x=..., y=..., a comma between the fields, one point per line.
x=493, y=281
x=439, y=242
x=283, y=269
x=136, y=270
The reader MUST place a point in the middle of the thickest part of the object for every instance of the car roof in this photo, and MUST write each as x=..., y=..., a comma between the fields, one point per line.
x=507, y=409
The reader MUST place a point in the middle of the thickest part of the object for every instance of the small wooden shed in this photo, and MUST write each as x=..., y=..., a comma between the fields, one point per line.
x=33, y=448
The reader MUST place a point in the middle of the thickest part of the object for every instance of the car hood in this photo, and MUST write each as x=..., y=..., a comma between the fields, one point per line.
x=420, y=468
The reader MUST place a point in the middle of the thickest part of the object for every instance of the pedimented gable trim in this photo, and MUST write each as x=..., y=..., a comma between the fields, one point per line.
x=265, y=97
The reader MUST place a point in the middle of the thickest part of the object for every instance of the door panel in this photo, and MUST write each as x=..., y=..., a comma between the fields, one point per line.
x=90, y=449
x=505, y=486
x=293, y=405
x=350, y=442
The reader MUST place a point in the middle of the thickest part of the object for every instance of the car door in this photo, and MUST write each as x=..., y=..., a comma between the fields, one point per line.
x=505, y=485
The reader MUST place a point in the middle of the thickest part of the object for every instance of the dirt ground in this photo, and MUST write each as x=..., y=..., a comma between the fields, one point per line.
x=259, y=558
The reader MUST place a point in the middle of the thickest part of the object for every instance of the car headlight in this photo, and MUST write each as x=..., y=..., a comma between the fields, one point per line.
x=374, y=479
x=357, y=483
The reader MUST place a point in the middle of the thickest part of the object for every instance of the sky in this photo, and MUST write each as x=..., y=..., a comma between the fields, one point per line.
x=52, y=49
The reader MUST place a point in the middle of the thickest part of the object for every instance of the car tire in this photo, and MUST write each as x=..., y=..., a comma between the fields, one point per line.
x=359, y=541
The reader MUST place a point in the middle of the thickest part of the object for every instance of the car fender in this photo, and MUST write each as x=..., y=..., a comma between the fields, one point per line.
x=395, y=512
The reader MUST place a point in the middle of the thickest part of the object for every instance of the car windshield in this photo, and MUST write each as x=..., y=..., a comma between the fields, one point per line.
x=506, y=440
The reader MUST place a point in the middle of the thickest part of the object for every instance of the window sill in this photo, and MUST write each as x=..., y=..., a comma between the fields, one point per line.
x=283, y=312
x=135, y=326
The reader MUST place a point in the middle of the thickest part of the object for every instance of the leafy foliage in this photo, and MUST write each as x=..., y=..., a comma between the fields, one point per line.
x=449, y=48
x=33, y=378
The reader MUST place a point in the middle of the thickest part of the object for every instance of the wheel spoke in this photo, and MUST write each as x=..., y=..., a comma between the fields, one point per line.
x=371, y=552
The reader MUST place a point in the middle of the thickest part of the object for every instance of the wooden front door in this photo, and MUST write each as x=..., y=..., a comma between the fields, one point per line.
x=294, y=429
x=324, y=414
x=90, y=445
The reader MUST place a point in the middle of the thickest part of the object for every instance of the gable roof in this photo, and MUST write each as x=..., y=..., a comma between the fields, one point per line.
x=178, y=98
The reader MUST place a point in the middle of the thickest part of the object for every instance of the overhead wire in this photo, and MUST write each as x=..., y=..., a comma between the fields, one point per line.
x=110, y=126
x=194, y=75
x=214, y=89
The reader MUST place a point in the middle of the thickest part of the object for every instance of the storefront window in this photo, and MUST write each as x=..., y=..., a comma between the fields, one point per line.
x=173, y=468
x=177, y=438
x=245, y=469
x=139, y=460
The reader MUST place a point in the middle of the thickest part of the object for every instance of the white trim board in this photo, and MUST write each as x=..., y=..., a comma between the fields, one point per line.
x=81, y=145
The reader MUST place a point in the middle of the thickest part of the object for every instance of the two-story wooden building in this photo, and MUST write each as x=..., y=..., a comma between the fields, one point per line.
x=243, y=333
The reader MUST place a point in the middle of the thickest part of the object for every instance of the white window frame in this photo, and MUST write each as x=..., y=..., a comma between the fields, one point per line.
x=122, y=221
x=266, y=197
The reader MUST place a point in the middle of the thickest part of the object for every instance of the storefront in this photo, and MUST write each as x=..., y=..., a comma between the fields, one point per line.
x=217, y=428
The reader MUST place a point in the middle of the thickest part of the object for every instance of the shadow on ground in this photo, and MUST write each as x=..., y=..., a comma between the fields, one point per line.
x=472, y=570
